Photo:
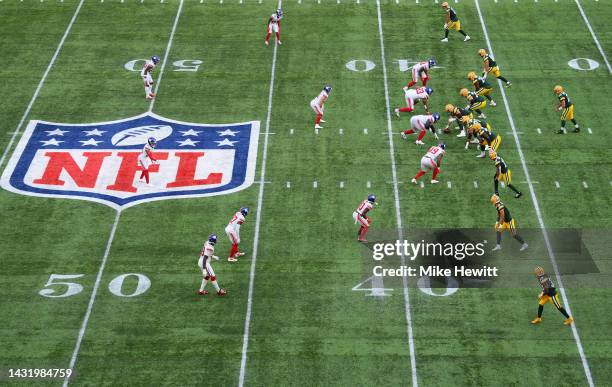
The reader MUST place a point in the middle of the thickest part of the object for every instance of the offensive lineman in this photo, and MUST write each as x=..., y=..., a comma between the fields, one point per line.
x=145, y=73
x=146, y=158
x=413, y=96
x=206, y=254
x=421, y=70
x=422, y=123
x=233, y=233
x=317, y=104
x=360, y=216
x=274, y=26
x=431, y=160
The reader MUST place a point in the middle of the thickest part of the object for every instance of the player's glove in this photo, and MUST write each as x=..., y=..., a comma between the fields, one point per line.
x=215, y=257
x=467, y=145
x=445, y=26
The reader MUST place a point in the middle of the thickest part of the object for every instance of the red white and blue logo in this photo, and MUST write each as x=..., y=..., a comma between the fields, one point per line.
x=99, y=162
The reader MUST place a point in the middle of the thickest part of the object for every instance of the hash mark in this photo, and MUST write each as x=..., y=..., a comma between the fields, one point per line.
x=557, y=184
x=290, y=131
x=369, y=184
x=449, y=184
x=341, y=131
x=341, y=184
x=288, y=184
x=585, y=185
x=316, y=131
x=422, y=185
x=475, y=184
x=539, y=130
x=220, y=1
x=589, y=130
x=365, y=130
x=315, y=184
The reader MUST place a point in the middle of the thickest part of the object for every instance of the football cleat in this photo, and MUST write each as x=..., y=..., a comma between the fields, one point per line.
x=576, y=130
x=221, y=292
x=403, y=135
x=152, y=142
x=518, y=195
x=431, y=62
x=266, y=42
x=202, y=292
x=568, y=321
x=433, y=181
x=537, y=320
x=508, y=84
x=396, y=111
x=371, y=198
x=232, y=259
x=419, y=142
x=239, y=254
x=244, y=211
x=467, y=38
x=322, y=120
x=327, y=89
x=493, y=103
x=414, y=181
x=524, y=247
x=155, y=59
x=496, y=248
x=481, y=115
x=317, y=126
x=279, y=42
x=481, y=155
x=362, y=240
x=212, y=238
x=461, y=134
x=444, y=40
x=149, y=98
x=561, y=131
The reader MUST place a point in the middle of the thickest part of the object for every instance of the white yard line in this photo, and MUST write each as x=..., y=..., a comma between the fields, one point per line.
x=398, y=215
x=92, y=298
x=247, y=318
x=111, y=237
x=588, y=24
x=168, y=47
x=26, y=113
x=551, y=254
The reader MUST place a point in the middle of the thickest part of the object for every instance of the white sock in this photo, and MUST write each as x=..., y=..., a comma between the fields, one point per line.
x=148, y=90
x=204, y=282
x=216, y=285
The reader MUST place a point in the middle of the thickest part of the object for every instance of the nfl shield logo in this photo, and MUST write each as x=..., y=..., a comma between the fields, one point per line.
x=99, y=162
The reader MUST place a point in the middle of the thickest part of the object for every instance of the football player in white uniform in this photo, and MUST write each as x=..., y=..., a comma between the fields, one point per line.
x=422, y=123
x=431, y=160
x=233, y=233
x=318, y=103
x=208, y=253
x=359, y=215
x=421, y=70
x=412, y=97
x=274, y=26
x=146, y=158
x=145, y=73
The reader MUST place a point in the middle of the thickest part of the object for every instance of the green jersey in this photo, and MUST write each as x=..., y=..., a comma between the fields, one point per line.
x=563, y=97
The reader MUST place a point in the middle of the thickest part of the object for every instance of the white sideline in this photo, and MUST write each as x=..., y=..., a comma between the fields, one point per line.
x=588, y=24
x=400, y=233
x=41, y=83
x=247, y=318
x=111, y=237
x=551, y=254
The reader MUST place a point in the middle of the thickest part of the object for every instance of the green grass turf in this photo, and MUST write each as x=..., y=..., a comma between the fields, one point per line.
x=307, y=327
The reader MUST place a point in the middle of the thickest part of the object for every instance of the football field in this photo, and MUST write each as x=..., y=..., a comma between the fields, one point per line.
x=103, y=281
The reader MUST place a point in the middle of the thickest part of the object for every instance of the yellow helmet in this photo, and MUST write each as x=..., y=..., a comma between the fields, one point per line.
x=464, y=92
x=482, y=52
x=495, y=199
x=476, y=126
x=558, y=89
x=445, y=5
x=492, y=154
x=471, y=75
x=465, y=119
x=449, y=108
x=539, y=270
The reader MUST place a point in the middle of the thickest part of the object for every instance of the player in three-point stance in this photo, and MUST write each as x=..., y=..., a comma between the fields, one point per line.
x=549, y=294
x=505, y=221
x=233, y=233
x=422, y=123
x=431, y=161
x=274, y=26
x=146, y=158
x=317, y=104
x=413, y=96
x=145, y=73
x=207, y=253
x=421, y=70
x=360, y=216
x=452, y=22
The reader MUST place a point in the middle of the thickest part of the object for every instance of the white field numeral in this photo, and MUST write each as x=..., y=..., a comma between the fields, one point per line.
x=424, y=284
x=376, y=288
x=116, y=285
x=187, y=65
x=71, y=290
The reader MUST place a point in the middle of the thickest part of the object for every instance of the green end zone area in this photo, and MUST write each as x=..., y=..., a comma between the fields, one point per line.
x=311, y=313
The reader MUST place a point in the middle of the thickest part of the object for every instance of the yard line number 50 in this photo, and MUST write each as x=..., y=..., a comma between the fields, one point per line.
x=58, y=285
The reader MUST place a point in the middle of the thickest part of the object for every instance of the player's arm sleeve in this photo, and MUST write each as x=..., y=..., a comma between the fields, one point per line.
x=150, y=154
